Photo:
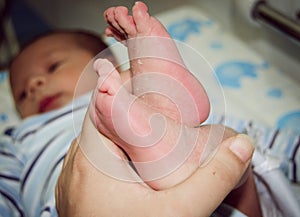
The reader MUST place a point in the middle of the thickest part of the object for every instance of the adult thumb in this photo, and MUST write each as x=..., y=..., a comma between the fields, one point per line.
x=209, y=185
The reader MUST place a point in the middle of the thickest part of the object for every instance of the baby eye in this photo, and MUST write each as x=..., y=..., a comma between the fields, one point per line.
x=53, y=67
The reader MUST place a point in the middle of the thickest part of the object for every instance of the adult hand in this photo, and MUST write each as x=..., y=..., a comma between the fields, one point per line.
x=82, y=190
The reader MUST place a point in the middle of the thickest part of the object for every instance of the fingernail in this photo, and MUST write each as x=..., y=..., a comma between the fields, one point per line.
x=242, y=147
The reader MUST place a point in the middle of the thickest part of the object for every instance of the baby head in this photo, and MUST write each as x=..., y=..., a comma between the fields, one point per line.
x=44, y=75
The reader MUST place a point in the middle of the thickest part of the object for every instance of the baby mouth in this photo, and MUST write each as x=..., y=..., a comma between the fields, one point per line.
x=48, y=103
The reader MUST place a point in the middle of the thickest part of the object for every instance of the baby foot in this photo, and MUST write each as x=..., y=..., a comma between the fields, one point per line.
x=151, y=49
x=122, y=26
x=156, y=144
x=121, y=116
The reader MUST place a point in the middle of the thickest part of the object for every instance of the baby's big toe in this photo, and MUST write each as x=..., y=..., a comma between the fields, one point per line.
x=109, y=77
x=141, y=16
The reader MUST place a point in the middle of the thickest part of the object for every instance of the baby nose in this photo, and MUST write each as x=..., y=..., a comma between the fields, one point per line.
x=35, y=84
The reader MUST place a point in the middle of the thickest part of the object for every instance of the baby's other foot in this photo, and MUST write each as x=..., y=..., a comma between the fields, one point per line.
x=151, y=49
x=109, y=84
x=109, y=81
x=123, y=26
x=120, y=23
x=122, y=117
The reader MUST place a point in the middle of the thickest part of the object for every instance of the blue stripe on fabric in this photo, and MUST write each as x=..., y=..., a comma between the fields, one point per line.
x=12, y=178
x=273, y=139
x=46, y=209
x=53, y=169
x=36, y=159
x=13, y=202
x=294, y=178
x=7, y=154
x=49, y=121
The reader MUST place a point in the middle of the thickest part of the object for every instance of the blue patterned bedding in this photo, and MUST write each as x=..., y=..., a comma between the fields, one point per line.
x=8, y=114
x=253, y=88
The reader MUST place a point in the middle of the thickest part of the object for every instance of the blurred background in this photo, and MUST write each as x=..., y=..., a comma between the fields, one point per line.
x=23, y=19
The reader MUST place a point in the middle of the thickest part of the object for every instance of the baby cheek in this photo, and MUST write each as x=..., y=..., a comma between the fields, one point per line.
x=85, y=85
x=26, y=109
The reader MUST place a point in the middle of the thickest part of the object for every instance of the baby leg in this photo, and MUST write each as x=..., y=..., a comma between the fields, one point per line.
x=127, y=120
x=157, y=145
x=151, y=49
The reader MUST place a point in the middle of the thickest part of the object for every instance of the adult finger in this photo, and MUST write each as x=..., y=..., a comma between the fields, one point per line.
x=202, y=193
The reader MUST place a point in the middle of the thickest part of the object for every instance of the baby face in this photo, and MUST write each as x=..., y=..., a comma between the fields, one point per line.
x=45, y=74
